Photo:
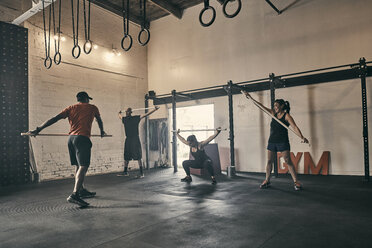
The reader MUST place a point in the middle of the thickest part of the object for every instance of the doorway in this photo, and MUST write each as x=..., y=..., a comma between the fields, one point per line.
x=192, y=118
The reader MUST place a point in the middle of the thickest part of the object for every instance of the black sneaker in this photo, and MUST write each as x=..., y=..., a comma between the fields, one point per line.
x=84, y=193
x=123, y=174
x=186, y=179
x=214, y=181
x=140, y=176
x=77, y=200
x=265, y=184
x=297, y=186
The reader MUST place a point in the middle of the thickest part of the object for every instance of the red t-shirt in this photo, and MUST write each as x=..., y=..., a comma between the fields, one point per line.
x=80, y=117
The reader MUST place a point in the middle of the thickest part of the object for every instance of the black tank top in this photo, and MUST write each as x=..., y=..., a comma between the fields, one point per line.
x=199, y=155
x=131, y=125
x=278, y=134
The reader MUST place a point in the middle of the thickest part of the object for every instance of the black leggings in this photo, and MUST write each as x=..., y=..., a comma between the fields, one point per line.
x=187, y=164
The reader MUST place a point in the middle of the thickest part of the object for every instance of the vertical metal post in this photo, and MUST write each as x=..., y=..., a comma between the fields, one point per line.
x=272, y=94
x=147, y=133
x=231, y=168
x=174, y=139
x=362, y=75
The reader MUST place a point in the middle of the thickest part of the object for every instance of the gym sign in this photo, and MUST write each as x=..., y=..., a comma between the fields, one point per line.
x=309, y=166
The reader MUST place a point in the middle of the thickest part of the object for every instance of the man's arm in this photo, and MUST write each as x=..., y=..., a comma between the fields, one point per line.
x=149, y=113
x=100, y=125
x=46, y=124
x=119, y=115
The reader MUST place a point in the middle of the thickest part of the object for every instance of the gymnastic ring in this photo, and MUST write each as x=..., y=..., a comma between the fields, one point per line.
x=57, y=58
x=130, y=42
x=48, y=62
x=148, y=37
x=201, y=15
x=73, y=51
x=86, y=46
x=237, y=10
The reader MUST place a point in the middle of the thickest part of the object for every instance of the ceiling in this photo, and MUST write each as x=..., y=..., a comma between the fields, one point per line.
x=155, y=9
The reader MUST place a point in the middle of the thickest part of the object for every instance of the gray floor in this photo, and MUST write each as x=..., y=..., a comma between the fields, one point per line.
x=160, y=211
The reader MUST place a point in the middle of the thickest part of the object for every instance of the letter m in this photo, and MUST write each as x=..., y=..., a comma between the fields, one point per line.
x=321, y=166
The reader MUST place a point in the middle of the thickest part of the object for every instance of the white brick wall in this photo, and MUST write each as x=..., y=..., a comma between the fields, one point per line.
x=114, y=83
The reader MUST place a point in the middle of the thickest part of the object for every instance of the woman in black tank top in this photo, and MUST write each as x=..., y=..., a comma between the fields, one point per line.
x=278, y=140
x=201, y=159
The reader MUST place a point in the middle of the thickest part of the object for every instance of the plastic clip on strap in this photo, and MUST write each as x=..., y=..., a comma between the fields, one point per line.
x=206, y=7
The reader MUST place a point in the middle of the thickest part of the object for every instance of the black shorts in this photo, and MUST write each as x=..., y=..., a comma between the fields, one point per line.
x=79, y=148
x=132, y=149
x=278, y=147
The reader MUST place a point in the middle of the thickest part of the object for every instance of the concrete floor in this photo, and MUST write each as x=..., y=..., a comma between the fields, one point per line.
x=160, y=211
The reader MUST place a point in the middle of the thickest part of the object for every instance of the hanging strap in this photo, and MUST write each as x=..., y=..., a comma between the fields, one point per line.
x=143, y=29
x=206, y=7
x=47, y=60
x=126, y=27
x=76, y=48
x=57, y=55
x=88, y=43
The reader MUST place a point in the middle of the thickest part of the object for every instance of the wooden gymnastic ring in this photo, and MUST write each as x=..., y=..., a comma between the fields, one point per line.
x=86, y=49
x=73, y=51
x=48, y=62
x=233, y=14
x=148, y=37
x=130, y=42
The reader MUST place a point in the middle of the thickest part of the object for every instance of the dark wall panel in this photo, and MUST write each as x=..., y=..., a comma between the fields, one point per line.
x=14, y=151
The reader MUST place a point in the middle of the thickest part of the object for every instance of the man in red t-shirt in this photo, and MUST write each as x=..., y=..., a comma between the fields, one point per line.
x=80, y=117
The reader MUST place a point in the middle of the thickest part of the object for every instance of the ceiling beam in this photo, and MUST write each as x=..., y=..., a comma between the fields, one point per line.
x=119, y=11
x=169, y=7
x=221, y=1
x=34, y=10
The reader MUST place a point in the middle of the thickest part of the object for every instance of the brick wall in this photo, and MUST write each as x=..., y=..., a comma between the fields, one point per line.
x=114, y=83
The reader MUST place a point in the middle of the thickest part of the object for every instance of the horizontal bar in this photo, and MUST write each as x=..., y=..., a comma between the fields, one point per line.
x=198, y=130
x=137, y=109
x=61, y=134
x=324, y=77
x=265, y=79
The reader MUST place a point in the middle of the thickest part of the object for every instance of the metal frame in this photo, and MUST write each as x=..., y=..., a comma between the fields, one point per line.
x=229, y=90
x=272, y=100
x=317, y=76
x=174, y=137
x=147, y=132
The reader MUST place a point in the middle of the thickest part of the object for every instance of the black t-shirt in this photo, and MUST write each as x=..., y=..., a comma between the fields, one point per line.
x=131, y=125
x=278, y=134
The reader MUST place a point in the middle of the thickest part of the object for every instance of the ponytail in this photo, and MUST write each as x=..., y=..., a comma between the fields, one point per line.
x=285, y=104
x=287, y=107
